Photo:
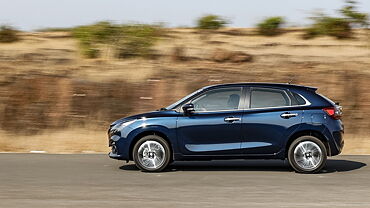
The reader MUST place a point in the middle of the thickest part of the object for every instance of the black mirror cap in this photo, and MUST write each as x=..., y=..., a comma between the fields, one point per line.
x=188, y=108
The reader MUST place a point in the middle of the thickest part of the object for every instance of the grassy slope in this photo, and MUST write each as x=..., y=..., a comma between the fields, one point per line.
x=332, y=65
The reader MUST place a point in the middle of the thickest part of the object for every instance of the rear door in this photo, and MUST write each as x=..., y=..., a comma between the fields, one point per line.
x=269, y=119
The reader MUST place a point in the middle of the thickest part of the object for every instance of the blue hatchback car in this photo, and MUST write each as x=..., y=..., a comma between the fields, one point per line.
x=234, y=121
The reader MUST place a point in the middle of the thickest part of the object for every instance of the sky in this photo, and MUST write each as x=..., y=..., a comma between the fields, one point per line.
x=38, y=14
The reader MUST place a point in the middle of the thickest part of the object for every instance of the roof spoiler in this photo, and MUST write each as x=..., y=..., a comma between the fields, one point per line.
x=311, y=88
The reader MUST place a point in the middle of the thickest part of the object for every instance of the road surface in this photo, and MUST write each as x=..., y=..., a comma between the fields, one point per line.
x=48, y=181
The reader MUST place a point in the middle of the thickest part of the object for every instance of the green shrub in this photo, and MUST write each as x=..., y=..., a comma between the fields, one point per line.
x=90, y=37
x=126, y=40
x=211, y=22
x=101, y=32
x=137, y=40
x=89, y=51
x=349, y=11
x=331, y=26
x=270, y=26
x=339, y=27
x=311, y=32
x=87, y=41
x=8, y=34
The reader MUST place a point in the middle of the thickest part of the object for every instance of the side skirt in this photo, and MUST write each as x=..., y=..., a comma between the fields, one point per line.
x=181, y=157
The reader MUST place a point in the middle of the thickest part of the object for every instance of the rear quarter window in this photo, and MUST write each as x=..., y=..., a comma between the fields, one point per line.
x=263, y=98
x=298, y=99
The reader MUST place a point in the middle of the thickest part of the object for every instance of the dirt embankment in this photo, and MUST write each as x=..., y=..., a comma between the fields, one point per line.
x=53, y=100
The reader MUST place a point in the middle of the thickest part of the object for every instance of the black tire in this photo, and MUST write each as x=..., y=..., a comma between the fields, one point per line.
x=298, y=158
x=139, y=157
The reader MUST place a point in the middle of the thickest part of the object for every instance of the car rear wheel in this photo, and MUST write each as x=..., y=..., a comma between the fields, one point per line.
x=307, y=154
x=151, y=153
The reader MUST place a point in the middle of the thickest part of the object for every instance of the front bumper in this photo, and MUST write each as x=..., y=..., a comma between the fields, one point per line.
x=115, y=156
x=119, y=148
x=114, y=153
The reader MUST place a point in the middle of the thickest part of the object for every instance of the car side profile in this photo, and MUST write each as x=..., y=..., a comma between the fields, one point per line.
x=234, y=121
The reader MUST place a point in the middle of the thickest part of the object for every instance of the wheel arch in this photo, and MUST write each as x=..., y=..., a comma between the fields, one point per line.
x=146, y=133
x=314, y=133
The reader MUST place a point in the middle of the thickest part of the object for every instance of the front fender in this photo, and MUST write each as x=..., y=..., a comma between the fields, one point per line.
x=131, y=133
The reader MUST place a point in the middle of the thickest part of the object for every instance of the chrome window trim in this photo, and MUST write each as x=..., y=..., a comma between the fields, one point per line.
x=197, y=112
x=308, y=103
x=246, y=109
x=286, y=106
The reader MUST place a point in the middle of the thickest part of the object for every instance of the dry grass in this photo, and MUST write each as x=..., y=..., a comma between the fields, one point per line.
x=63, y=141
x=90, y=141
x=325, y=62
x=356, y=145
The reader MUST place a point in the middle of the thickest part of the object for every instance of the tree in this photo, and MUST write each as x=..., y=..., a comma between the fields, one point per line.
x=270, y=26
x=211, y=22
x=349, y=11
x=8, y=34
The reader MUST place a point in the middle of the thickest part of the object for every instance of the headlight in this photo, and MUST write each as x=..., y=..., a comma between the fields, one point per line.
x=115, y=138
x=120, y=126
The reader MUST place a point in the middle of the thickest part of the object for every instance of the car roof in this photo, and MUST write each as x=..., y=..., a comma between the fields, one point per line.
x=262, y=84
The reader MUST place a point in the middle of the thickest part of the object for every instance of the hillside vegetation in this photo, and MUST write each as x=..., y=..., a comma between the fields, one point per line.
x=54, y=99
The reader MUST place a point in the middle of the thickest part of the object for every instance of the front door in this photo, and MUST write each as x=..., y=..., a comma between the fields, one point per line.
x=214, y=128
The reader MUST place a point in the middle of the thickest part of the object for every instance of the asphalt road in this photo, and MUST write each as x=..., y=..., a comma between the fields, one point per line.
x=44, y=180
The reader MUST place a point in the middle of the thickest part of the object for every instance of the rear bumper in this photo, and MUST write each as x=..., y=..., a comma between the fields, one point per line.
x=334, y=131
x=335, y=141
x=338, y=143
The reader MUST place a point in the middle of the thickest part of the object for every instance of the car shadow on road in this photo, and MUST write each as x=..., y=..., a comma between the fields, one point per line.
x=336, y=165
x=333, y=165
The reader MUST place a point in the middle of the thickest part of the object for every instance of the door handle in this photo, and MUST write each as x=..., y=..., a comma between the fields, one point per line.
x=288, y=115
x=231, y=119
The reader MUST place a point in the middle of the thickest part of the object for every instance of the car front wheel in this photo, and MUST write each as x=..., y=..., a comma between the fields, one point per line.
x=151, y=153
x=307, y=154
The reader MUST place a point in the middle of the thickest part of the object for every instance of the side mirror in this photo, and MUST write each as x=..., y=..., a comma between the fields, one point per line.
x=188, y=108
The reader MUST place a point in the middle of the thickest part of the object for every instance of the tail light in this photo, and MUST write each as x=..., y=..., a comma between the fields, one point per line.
x=334, y=112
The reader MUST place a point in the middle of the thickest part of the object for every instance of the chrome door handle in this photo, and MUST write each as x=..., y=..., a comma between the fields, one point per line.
x=288, y=115
x=231, y=119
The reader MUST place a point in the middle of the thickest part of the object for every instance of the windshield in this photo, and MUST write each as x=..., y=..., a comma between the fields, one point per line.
x=174, y=105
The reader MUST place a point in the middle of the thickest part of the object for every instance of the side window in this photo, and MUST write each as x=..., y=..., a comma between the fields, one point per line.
x=219, y=99
x=262, y=98
x=299, y=99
